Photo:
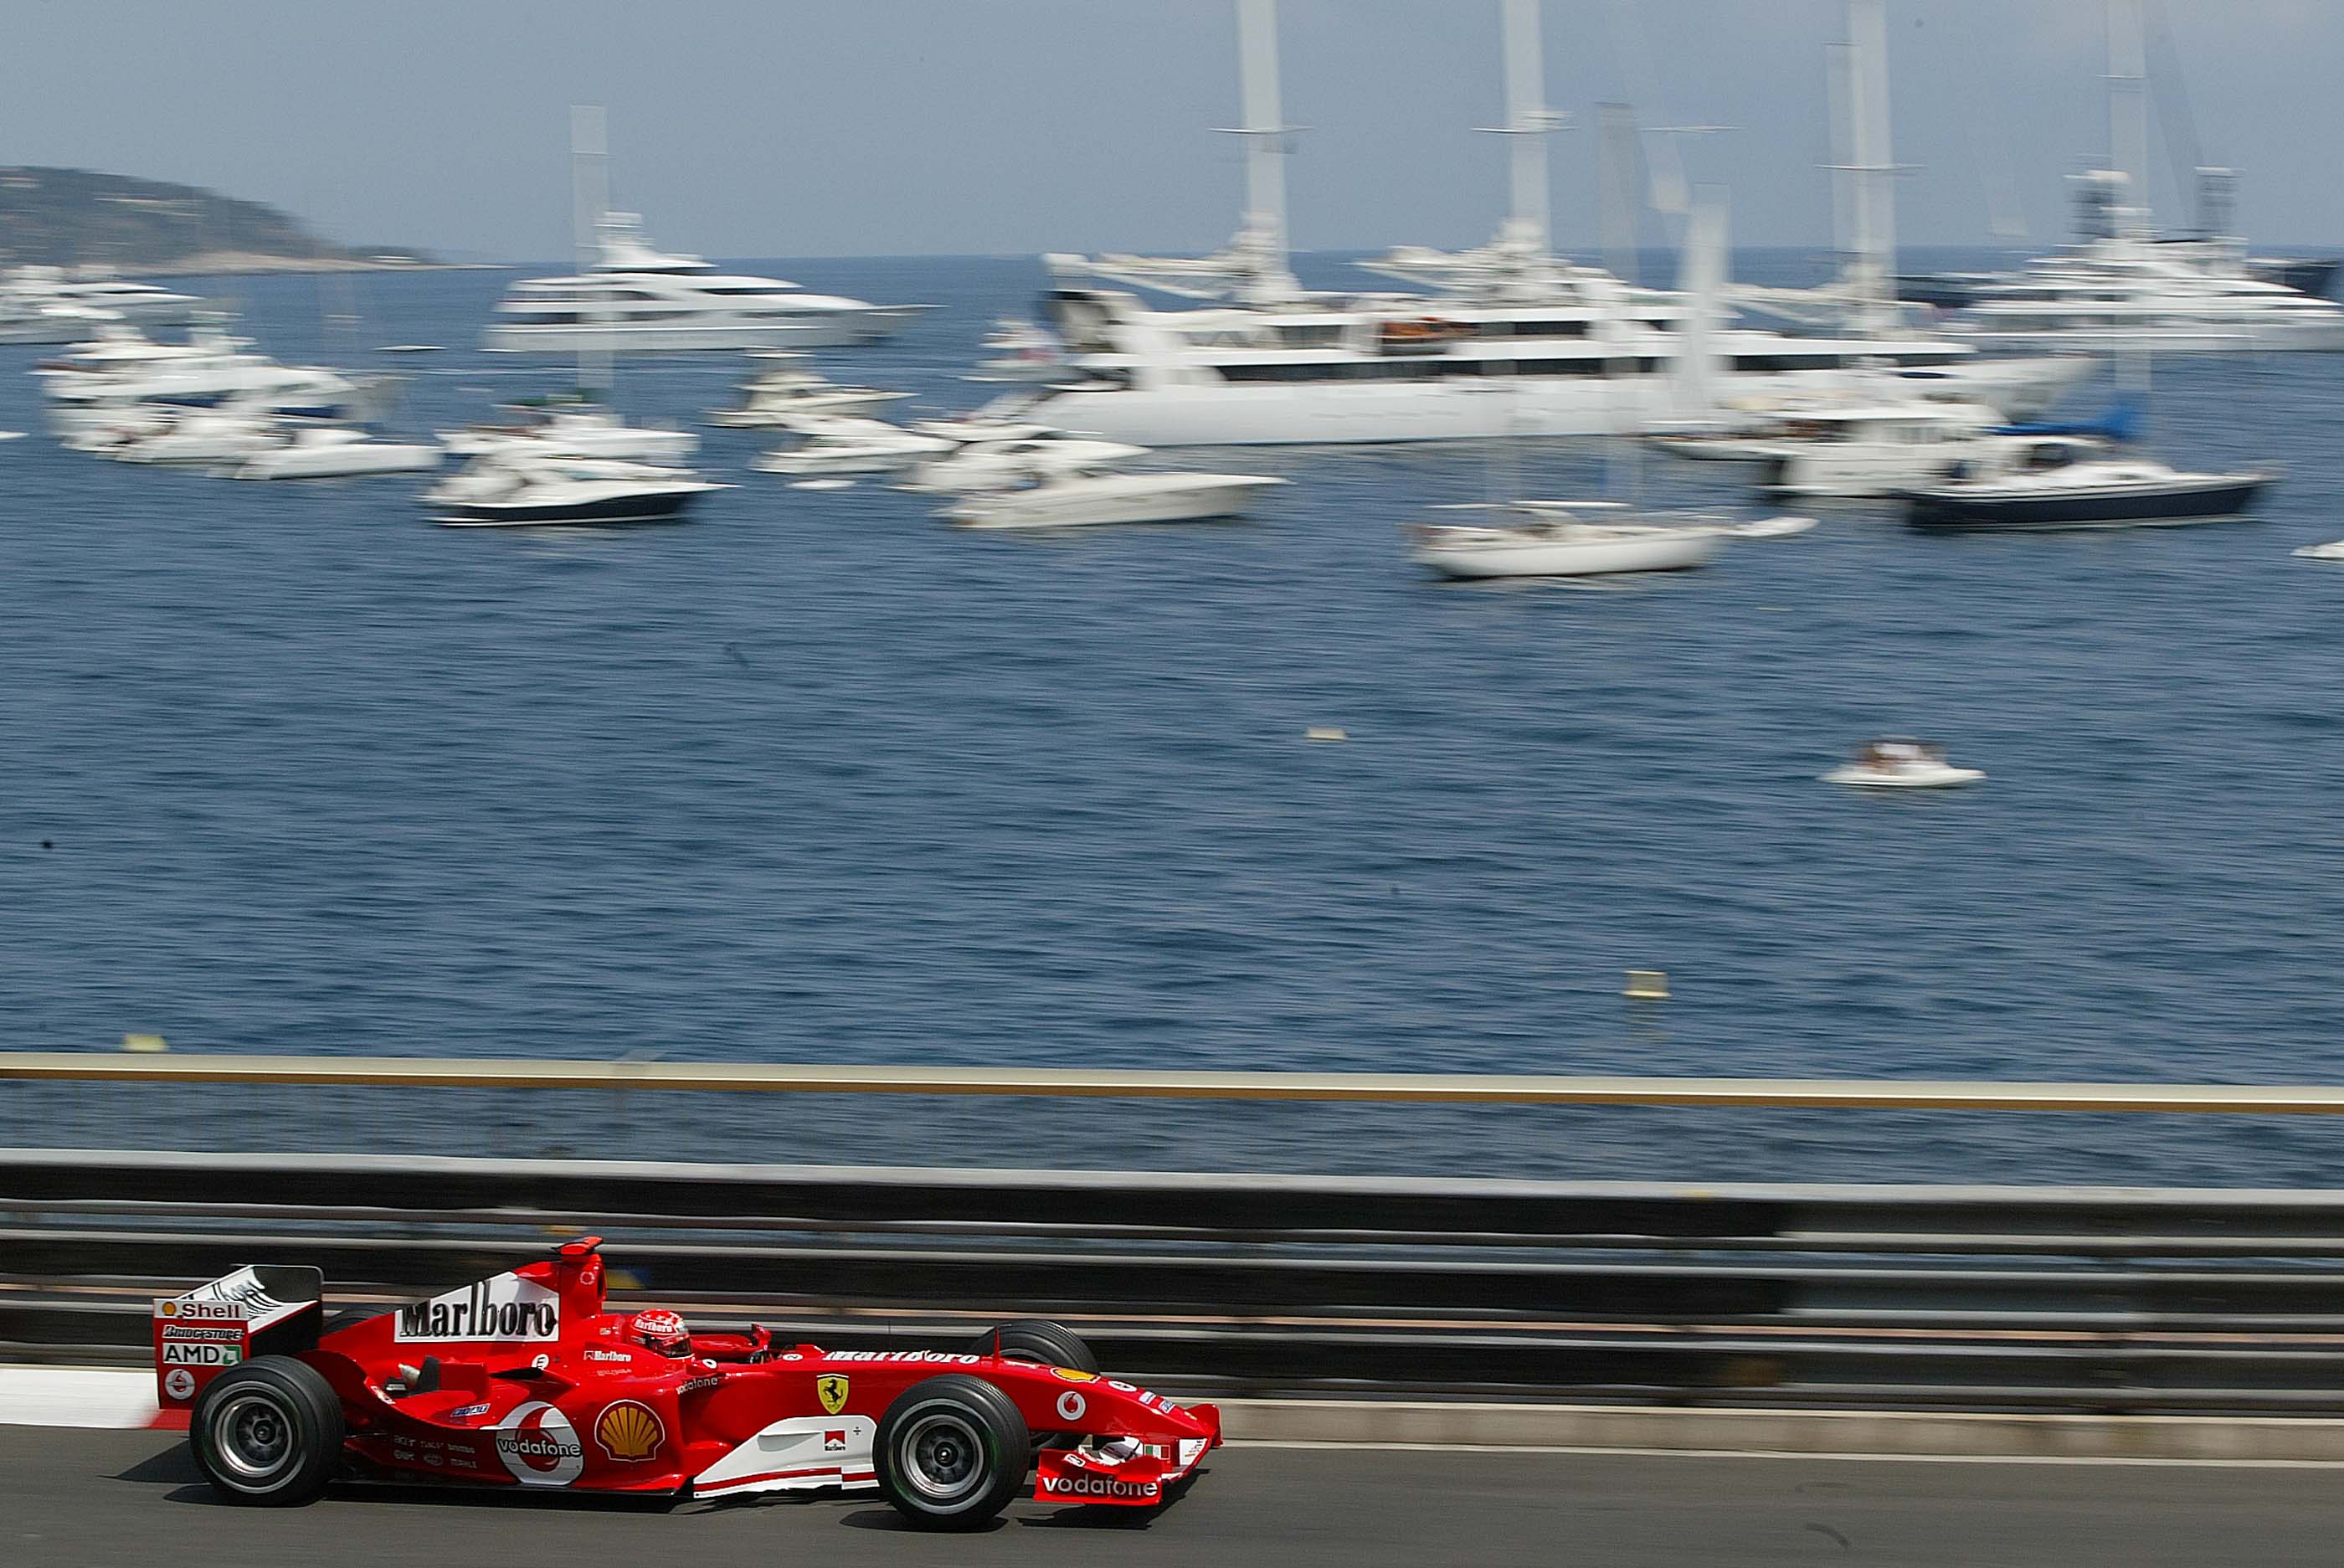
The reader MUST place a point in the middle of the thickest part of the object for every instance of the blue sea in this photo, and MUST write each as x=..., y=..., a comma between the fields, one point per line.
x=816, y=778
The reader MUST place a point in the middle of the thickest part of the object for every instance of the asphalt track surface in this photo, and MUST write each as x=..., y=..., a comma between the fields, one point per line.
x=74, y=1497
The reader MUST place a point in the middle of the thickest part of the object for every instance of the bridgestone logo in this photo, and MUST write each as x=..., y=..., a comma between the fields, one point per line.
x=504, y=1307
x=1097, y=1486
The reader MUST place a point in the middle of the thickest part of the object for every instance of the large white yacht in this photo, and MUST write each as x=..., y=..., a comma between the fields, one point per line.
x=48, y=305
x=1519, y=342
x=637, y=299
x=2120, y=287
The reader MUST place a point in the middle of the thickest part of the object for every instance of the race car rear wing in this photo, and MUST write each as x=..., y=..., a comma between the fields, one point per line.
x=261, y=1309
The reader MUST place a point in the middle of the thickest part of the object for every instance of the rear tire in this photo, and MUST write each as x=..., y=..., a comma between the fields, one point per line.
x=951, y=1452
x=268, y=1433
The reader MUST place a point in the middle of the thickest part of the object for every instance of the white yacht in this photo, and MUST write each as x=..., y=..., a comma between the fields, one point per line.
x=582, y=429
x=828, y=448
x=1578, y=352
x=991, y=465
x=2119, y=288
x=122, y=376
x=1580, y=539
x=1866, y=451
x=334, y=451
x=48, y=305
x=635, y=299
x=774, y=395
x=517, y=488
x=1084, y=497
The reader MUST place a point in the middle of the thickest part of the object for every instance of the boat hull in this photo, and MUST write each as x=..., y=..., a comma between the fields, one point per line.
x=607, y=511
x=1464, y=408
x=2138, y=506
x=1575, y=557
x=1081, y=504
x=1857, y=776
x=828, y=329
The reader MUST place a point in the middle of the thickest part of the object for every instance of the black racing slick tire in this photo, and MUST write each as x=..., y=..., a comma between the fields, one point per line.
x=951, y=1452
x=268, y=1433
x=1038, y=1340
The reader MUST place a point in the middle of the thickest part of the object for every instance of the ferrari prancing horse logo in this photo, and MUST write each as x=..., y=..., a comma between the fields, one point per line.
x=830, y=1388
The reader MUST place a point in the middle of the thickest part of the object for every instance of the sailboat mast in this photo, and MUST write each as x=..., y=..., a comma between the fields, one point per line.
x=1527, y=123
x=1873, y=242
x=590, y=199
x=2128, y=113
x=1265, y=131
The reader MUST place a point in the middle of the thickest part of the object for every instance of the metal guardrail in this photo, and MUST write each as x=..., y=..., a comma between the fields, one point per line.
x=1968, y=1298
x=1418, y=1088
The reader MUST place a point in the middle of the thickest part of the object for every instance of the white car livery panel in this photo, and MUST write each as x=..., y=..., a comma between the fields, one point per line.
x=801, y=1452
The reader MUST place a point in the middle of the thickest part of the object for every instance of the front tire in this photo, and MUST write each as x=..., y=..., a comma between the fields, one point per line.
x=268, y=1433
x=951, y=1452
x=1038, y=1340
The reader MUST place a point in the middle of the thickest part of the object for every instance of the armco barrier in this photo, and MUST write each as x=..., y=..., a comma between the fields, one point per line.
x=1107, y=1083
x=2091, y=1300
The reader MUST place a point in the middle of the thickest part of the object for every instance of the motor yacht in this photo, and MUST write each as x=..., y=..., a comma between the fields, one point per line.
x=201, y=436
x=991, y=465
x=1901, y=763
x=785, y=389
x=834, y=447
x=48, y=305
x=636, y=300
x=2070, y=482
x=1071, y=498
x=2332, y=551
x=516, y=487
x=1867, y=451
x=1261, y=360
x=577, y=429
x=335, y=451
x=123, y=372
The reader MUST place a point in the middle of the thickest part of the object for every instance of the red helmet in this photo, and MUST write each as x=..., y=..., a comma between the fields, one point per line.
x=663, y=1331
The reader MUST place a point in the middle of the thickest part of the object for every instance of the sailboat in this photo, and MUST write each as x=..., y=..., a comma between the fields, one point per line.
x=1600, y=538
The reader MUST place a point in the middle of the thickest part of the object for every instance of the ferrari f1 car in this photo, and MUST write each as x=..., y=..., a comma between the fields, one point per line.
x=526, y=1379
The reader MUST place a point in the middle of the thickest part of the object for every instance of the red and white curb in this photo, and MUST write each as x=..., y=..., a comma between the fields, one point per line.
x=80, y=1396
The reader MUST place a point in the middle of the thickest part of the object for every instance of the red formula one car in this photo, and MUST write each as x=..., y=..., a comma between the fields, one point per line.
x=525, y=1380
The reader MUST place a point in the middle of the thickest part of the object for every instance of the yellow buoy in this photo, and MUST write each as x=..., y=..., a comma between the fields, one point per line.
x=144, y=1043
x=1324, y=733
x=1648, y=985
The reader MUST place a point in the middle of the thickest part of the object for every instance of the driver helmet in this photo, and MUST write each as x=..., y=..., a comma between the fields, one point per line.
x=663, y=1331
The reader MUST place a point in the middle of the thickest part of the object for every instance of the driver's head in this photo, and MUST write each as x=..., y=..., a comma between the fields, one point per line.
x=663, y=1331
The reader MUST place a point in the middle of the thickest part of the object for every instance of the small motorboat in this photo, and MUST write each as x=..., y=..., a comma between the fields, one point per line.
x=336, y=451
x=1021, y=352
x=1081, y=498
x=2333, y=551
x=993, y=465
x=2061, y=485
x=12, y=435
x=1897, y=763
x=577, y=431
x=830, y=446
x=223, y=435
x=522, y=488
x=772, y=397
x=1577, y=539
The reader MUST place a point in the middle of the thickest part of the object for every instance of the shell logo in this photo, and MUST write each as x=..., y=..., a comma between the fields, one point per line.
x=1075, y=1375
x=629, y=1431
